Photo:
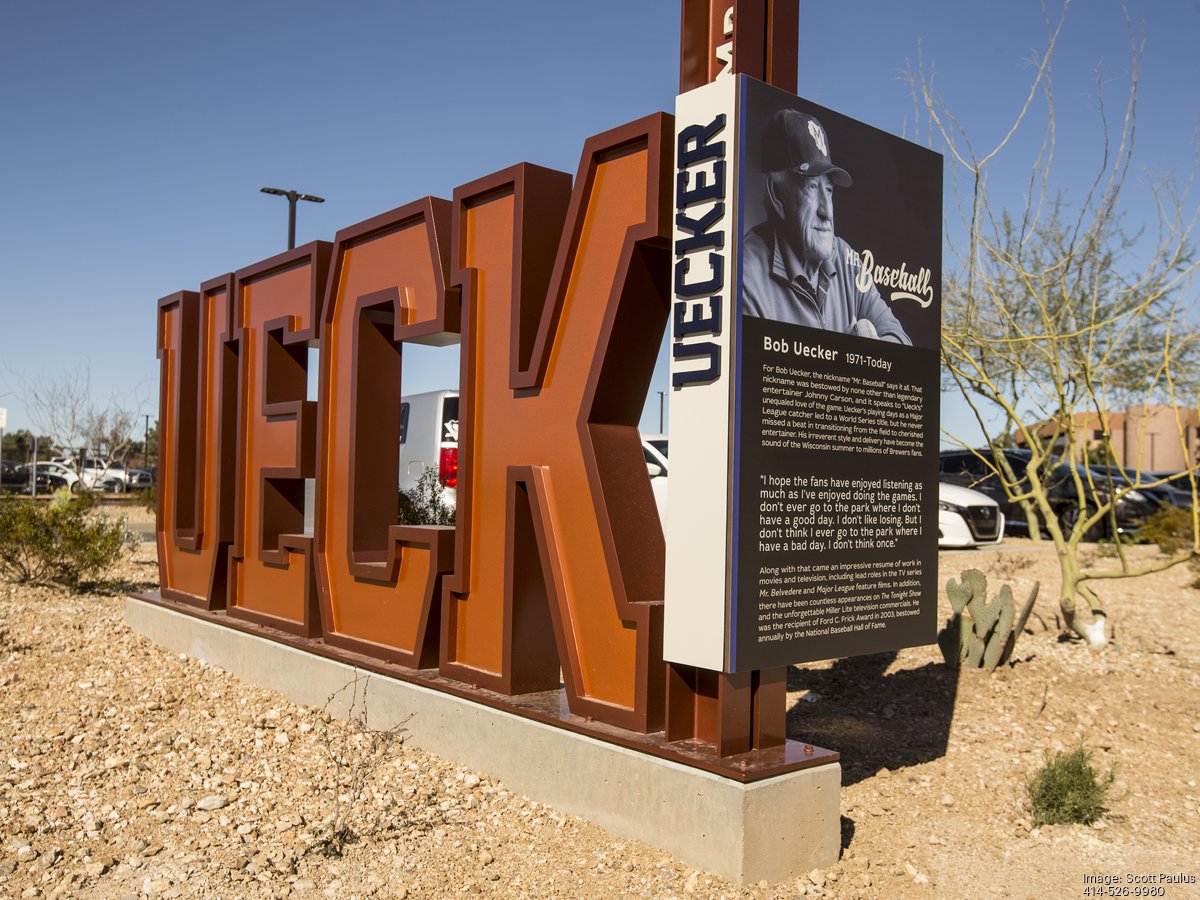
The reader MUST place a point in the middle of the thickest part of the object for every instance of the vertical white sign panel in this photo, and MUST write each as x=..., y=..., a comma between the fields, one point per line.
x=804, y=384
x=702, y=321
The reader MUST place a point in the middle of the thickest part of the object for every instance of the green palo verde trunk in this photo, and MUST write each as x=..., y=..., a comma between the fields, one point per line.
x=1073, y=582
x=1074, y=587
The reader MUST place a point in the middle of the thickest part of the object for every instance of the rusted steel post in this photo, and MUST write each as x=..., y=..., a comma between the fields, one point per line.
x=734, y=712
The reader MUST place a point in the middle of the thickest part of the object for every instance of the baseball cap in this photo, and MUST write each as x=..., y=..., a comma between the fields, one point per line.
x=797, y=141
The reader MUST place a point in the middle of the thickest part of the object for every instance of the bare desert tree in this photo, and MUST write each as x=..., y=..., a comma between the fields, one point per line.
x=64, y=408
x=1057, y=315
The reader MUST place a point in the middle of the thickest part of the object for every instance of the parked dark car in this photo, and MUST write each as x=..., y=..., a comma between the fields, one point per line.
x=47, y=482
x=1131, y=509
x=13, y=476
x=1170, y=493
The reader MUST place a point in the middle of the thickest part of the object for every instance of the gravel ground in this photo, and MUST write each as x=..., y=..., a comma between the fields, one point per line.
x=126, y=770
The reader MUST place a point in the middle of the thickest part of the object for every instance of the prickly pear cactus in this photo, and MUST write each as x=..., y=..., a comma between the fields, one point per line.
x=981, y=635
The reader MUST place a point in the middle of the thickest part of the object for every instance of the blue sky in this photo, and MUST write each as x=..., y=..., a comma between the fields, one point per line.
x=136, y=135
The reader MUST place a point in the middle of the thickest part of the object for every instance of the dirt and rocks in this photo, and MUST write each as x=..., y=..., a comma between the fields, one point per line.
x=127, y=770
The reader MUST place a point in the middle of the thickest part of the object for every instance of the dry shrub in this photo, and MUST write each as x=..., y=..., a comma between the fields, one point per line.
x=64, y=542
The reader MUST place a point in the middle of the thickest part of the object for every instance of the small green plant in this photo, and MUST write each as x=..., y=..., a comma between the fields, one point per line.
x=425, y=504
x=1067, y=789
x=148, y=498
x=64, y=542
x=981, y=635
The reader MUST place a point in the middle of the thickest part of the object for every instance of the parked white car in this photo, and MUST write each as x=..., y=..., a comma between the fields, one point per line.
x=967, y=518
x=63, y=471
x=95, y=473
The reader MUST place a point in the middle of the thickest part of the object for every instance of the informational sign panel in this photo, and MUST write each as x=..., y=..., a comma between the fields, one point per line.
x=805, y=384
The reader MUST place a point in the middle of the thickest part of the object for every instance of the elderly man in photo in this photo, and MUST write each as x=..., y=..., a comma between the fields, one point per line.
x=794, y=268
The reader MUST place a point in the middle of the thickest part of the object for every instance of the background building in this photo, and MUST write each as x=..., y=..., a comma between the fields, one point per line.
x=1151, y=437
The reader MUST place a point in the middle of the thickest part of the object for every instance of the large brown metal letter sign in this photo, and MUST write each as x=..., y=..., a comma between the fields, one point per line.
x=196, y=443
x=554, y=572
x=378, y=580
x=555, y=504
x=275, y=317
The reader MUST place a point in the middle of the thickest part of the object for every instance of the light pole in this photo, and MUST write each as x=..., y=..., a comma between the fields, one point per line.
x=292, y=197
x=146, y=444
x=662, y=395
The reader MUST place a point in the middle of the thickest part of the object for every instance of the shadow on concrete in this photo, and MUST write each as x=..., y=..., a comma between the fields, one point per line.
x=875, y=720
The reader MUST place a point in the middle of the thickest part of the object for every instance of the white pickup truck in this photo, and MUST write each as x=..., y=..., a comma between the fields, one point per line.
x=429, y=440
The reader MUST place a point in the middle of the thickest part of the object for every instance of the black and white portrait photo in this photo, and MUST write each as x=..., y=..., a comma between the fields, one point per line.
x=825, y=241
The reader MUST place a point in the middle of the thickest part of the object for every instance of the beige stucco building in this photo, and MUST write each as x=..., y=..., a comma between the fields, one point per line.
x=1152, y=438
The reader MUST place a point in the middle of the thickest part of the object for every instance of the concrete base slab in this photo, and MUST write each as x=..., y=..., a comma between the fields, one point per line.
x=771, y=829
